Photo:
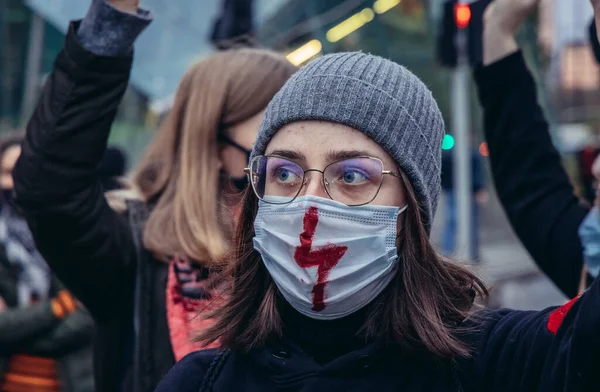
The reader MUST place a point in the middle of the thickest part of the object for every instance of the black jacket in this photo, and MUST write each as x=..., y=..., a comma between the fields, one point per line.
x=91, y=248
x=557, y=349
x=528, y=174
x=35, y=330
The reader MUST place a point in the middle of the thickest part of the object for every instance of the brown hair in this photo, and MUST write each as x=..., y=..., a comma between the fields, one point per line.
x=180, y=172
x=422, y=309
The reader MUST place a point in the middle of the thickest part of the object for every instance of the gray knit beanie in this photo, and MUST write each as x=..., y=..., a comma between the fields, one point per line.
x=376, y=96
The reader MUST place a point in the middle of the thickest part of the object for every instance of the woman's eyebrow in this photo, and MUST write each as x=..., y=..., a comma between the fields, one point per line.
x=338, y=155
x=294, y=155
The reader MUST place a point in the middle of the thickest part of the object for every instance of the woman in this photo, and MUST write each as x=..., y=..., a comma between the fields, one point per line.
x=336, y=286
x=45, y=336
x=142, y=280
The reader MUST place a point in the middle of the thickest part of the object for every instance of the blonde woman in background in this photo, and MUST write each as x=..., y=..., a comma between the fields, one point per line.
x=144, y=274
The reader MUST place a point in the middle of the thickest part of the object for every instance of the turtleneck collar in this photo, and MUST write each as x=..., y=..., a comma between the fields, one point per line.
x=323, y=340
x=310, y=347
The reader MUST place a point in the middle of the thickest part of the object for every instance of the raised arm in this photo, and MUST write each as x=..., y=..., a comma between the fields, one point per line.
x=88, y=246
x=531, y=182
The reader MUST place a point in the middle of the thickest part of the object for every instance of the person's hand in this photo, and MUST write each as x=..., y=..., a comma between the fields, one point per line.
x=502, y=20
x=129, y=6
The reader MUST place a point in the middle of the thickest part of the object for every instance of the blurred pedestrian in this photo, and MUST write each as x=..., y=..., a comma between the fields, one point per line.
x=336, y=284
x=45, y=335
x=479, y=197
x=145, y=274
x=527, y=170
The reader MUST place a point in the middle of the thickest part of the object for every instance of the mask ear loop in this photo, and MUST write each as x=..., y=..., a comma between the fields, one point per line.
x=403, y=209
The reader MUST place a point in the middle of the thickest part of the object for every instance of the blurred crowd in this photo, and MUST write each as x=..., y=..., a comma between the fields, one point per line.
x=276, y=235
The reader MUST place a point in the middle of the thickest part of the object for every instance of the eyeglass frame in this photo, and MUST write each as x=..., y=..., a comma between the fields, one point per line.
x=247, y=170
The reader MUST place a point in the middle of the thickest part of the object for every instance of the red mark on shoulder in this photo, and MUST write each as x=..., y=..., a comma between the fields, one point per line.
x=325, y=258
x=557, y=316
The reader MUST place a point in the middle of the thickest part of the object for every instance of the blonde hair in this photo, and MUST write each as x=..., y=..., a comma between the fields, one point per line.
x=180, y=172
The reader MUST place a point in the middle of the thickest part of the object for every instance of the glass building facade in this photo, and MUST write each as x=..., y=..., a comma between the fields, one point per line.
x=15, y=21
x=404, y=31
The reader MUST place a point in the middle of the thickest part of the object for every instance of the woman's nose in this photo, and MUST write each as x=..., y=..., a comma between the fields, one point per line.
x=313, y=185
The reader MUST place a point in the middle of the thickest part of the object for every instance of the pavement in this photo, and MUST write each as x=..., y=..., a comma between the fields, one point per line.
x=514, y=279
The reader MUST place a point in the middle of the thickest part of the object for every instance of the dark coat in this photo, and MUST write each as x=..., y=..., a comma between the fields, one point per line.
x=557, y=349
x=90, y=247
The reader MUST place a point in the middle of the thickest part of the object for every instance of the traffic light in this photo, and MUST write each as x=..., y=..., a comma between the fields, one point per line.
x=457, y=16
x=447, y=142
x=462, y=15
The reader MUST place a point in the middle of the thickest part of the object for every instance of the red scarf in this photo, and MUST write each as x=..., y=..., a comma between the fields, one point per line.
x=190, y=294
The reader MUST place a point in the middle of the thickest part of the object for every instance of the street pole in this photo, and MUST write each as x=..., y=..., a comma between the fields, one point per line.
x=462, y=150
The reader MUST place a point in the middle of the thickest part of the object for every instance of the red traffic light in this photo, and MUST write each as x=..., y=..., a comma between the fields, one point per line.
x=462, y=15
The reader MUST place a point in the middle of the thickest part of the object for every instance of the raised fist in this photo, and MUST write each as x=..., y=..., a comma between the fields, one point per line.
x=129, y=6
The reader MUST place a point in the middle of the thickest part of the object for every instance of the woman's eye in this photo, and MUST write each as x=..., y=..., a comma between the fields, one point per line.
x=353, y=177
x=284, y=175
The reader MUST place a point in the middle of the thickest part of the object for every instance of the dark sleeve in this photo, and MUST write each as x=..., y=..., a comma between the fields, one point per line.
x=89, y=247
x=527, y=171
x=72, y=332
x=557, y=349
x=187, y=375
x=18, y=325
x=107, y=31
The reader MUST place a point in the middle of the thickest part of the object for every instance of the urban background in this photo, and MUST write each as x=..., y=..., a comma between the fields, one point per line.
x=556, y=44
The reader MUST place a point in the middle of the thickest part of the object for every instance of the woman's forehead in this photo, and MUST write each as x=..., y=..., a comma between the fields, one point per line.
x=317, y=139
x=319, y=134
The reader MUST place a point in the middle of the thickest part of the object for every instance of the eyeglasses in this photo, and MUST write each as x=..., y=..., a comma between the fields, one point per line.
x=352, y=181
x=233, y=143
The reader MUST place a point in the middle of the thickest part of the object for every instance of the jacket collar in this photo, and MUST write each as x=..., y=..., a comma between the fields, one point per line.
x=285, y=361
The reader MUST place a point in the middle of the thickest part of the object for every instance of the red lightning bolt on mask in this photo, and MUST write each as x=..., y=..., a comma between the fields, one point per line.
x=325, y=258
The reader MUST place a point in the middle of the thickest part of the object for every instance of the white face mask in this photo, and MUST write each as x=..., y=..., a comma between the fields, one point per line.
x=327, y=259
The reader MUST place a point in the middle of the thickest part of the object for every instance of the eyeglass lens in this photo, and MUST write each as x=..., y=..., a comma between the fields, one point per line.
x=351, y=181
